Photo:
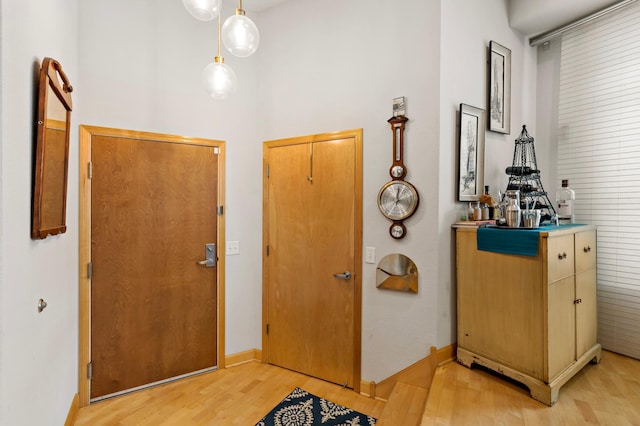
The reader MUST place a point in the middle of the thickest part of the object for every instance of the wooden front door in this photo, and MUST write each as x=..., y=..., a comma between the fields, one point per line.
x=312, y=230
x=153, y=306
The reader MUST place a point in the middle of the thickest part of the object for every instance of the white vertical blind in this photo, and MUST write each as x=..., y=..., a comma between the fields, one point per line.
x=599, y=152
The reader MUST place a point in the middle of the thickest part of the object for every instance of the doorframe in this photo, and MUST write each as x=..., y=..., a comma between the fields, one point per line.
x=355, y=134
x=84, y=296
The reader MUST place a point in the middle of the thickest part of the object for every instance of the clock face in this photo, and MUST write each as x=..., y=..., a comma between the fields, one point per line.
x=397, y=171
x=397, y=200
x=397, y=231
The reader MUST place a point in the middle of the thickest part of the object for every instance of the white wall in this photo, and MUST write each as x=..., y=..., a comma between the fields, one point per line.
x=308, y=80
x=338, y=66
x=1, y=209
x=548, y=82
x=38, y=372
x=468, y=26
x=140, y=64
x=2, y=386
x=322, y=66
x=335, y=65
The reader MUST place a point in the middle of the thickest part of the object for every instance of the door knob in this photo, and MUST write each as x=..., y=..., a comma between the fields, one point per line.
x=344, y=276
x=209, y=256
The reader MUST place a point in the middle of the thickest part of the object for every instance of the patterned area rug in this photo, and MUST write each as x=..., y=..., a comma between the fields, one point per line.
x=301, y=408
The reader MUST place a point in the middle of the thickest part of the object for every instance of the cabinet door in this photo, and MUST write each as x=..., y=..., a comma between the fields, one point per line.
x=585, y=250
x=561, y=326
x=586, y=311
x=560, y=257
x=500, y=306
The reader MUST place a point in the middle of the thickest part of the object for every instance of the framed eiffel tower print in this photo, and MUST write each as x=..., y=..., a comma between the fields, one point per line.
x=499, y=88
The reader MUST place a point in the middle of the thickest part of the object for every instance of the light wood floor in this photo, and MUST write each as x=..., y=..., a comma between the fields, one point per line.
x=239, y=395
x=604, y=394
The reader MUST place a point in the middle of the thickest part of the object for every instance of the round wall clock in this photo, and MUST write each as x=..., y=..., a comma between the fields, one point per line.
x=398, y=199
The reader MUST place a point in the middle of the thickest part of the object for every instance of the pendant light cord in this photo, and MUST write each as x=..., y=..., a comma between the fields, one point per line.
x=219, y=58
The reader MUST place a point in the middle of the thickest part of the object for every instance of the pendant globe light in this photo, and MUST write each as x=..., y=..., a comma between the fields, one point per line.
x=240, y=35
x=203, y=10
x=218, y=78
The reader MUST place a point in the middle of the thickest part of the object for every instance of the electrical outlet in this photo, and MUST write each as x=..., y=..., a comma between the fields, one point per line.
x=370, y=255
x=233, y=247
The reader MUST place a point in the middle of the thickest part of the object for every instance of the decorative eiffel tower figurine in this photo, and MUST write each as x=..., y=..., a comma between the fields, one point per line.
x=524, y=175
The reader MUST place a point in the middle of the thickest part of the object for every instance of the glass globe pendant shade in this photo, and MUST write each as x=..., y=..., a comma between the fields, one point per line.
x=219, y=79
x=203, y=10
x=240, y=35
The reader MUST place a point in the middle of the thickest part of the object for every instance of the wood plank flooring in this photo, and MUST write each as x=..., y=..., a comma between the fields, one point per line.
x=239, y=395
x=604, y=394
x=404, y=407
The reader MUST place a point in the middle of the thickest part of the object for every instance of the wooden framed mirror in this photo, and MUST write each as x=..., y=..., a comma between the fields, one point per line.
x=52, y=151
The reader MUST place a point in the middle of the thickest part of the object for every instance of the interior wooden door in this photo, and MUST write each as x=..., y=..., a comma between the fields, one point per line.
x=313, y=232
x=153, y=307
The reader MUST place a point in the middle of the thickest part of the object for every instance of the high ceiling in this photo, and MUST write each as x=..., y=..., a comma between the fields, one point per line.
x=530, y=17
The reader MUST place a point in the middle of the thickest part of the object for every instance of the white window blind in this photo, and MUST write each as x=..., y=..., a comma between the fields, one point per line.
x=599, y=152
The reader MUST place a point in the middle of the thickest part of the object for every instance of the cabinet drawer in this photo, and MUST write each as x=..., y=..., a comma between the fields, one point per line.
x=585, y=250
x=560, y=257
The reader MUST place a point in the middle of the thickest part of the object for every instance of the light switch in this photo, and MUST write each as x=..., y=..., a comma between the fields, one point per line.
x=370, y=255
x=233, y=247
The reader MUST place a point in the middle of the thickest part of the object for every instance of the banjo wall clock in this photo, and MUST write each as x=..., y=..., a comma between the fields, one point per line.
x=398, y=199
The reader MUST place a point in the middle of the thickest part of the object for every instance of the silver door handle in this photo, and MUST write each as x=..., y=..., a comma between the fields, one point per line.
x=209, y=256
x=344, y=276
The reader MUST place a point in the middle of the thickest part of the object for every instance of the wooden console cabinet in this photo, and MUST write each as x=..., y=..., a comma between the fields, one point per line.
x=530, y=318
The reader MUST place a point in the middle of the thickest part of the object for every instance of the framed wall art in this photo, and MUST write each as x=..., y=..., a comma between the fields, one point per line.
x=499, y=88
x=471, y=153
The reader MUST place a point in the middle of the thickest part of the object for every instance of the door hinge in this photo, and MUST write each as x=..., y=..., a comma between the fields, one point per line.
x=89, y=270
x=90, y=170
x=267, y=170
x=220, y=210
x=267, y=328
x=216, y=150
x=267, y=250
x=90, y=370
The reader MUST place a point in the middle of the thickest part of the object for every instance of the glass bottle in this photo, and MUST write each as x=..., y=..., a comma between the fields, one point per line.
x=488, y=201
x=477, y=212
x=486, y=198
x=564, y=202
x=485, y=212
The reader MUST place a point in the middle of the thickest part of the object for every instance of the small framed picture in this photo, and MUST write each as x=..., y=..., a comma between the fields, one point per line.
x=398, y=106
x=471, y=153
x=499, y=88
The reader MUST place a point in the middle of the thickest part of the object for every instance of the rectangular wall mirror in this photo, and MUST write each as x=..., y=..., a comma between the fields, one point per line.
x=52, y=151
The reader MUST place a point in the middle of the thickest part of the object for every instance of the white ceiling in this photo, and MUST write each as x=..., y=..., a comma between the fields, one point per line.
x=532, y=17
